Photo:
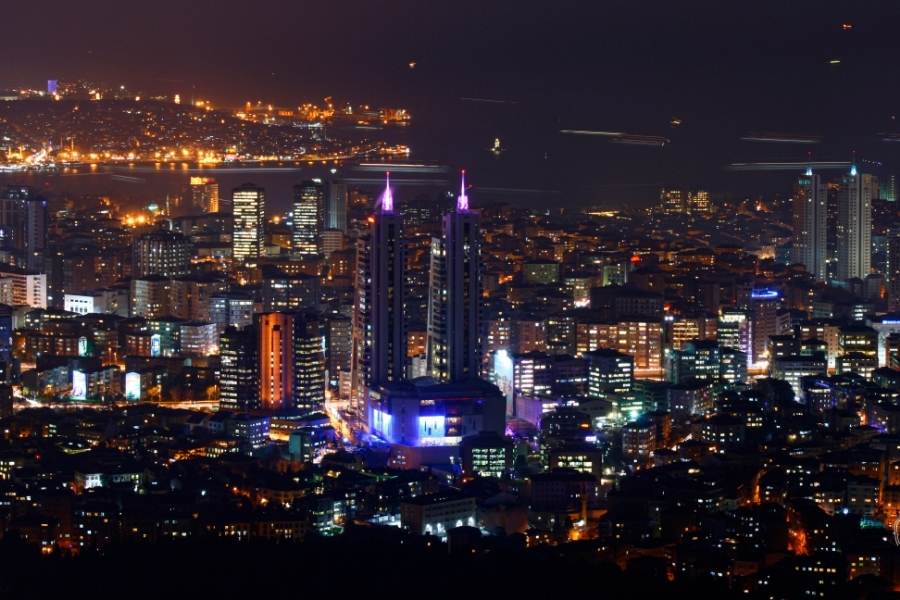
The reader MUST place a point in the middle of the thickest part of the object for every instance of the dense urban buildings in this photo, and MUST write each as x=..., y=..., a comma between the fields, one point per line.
x=584, y=362
x=291, y=346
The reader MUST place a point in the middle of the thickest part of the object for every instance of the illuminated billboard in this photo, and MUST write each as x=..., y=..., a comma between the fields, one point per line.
x=79, y=385
x=132, y=386
x=502, y=375
x=381, y=423
x=155, y=345
x=432, y=426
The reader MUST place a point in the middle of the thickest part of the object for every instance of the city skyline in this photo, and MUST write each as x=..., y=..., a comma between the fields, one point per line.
x=511, y=299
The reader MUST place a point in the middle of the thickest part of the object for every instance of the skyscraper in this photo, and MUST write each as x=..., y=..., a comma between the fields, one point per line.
x=339, y=347
x=888, y=189
x=379, y=339
x=455, y=295
x=810, y=224
x=276, y=360
x=336, y=208
x=855, y=224
x=290, y=360
x=205, y=194
x=309, y=363
x=892, y=269
x=239, y=378
x=23, y=224
x=308, y=217
x=764, y=305
x=248, y=239
x=36, y=223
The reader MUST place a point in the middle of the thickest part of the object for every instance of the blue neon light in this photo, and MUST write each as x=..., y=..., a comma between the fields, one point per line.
x=764, y=294
x=381, y=423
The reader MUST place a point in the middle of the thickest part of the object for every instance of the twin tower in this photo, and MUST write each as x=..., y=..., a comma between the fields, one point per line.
x=454, y=296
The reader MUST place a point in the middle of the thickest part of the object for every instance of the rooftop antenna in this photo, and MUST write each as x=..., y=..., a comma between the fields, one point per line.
x=462, y=201
x=387, y=197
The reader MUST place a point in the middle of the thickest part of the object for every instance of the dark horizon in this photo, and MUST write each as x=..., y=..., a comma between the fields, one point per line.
x=610, y=66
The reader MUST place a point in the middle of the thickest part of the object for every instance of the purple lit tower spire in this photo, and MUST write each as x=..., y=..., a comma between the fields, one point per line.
x=387, y=198
x=462, y=201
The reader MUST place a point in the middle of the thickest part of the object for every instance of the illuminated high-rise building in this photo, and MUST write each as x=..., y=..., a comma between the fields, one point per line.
x=888, y=188
x=735, y=330
x=205, y=195
x=151, y=296
x=248, y=238
x=811, y=224
x=454, y=300
x=239, y=370
x=23, y=224
x=673, y=201
x=336, y=207
x=699, y=203
x=309, y=363
x=764, y=305
x=308, y=218
x=339, y=347
x=379, y=336
x=609, y=371
x=892, y=269
x=161, y=252
x=681, y=201
x=288, y=361
x=276, y=360
x=855, y=224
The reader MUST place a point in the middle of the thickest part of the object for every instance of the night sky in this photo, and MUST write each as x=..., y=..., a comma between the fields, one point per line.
x=724, y=68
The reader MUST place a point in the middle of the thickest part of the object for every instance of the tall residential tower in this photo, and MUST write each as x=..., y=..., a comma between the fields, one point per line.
x=810, y=224
x=455, y=295
x=854, y=228
x=379, y=336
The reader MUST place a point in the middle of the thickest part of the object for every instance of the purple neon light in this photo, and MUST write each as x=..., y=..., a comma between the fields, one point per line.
x=387, y=198
x=462, y=201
